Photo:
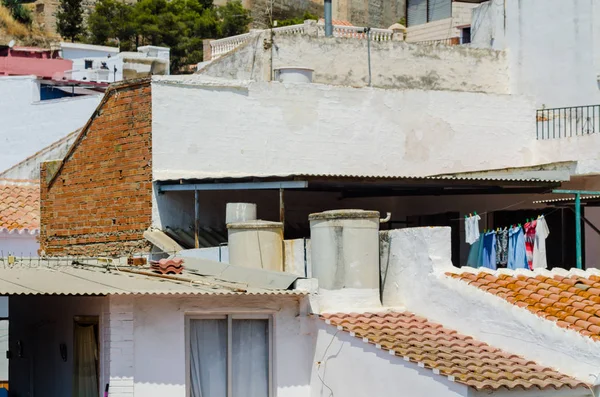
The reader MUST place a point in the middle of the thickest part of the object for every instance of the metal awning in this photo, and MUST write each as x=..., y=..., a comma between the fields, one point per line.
x=60, y=278
x=361, y=185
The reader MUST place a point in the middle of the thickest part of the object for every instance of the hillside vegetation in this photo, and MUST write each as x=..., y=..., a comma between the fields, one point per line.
x=29, y=35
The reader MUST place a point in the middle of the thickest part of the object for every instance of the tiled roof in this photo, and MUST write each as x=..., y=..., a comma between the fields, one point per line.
x=459, y=357
x=19, y=206
x=570, y=301
x=337, y=22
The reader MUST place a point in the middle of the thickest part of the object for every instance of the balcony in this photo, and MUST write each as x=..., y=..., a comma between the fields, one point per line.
x=567, y=122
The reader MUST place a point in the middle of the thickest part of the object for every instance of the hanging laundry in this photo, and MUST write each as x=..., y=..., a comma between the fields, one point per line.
x=489, y=250
x=472, y=228
x=529, y=228
x=517, y=258
x=502, y=247
x=475, y=258
x=539, y=248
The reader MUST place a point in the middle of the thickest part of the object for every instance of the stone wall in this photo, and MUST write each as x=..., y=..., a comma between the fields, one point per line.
x=97, y=201
x=373, y=13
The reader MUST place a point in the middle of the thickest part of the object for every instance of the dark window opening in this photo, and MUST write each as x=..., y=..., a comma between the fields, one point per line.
x=465, y=35
x=89, y=64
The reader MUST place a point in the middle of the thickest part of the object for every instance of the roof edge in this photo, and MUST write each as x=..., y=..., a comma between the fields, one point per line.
x=110, y=91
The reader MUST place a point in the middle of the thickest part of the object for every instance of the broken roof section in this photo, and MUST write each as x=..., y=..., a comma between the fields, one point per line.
x=448, y=353
x=96, y=277
x=19, y=206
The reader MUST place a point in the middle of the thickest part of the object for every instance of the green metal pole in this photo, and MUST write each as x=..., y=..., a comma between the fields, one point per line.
x=578, y=230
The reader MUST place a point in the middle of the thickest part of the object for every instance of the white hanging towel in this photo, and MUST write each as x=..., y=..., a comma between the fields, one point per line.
x=472, y=229
x=539, y=246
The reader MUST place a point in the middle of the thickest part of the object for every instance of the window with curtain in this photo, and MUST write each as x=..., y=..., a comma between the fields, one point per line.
x=229, y=357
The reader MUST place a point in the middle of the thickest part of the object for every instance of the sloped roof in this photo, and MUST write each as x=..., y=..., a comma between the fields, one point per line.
x=66, y=277
x=459, y=357
x=19, y=206
x=571, y=301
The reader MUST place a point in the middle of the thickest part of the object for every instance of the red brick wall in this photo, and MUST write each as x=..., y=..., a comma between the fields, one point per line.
x=100, y=201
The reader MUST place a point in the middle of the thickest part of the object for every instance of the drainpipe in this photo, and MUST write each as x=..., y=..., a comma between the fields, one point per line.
x=328, y=19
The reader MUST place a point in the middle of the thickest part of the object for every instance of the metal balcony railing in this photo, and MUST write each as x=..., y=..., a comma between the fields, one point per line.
x=567, y=122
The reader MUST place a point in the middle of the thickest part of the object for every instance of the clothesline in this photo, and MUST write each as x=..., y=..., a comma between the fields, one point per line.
x=514, y=247
x=499, y=209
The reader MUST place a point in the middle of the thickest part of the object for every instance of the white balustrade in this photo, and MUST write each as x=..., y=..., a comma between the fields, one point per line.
x=223, y=46
x=292, y=29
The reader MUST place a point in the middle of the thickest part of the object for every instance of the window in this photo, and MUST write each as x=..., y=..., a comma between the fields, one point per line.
x=419, y=12
x=89, y=64
x=229, y=356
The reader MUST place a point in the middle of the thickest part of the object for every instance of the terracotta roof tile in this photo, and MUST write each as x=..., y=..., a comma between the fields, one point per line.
x=571, y=301
x=449, y=353
x=19, y=206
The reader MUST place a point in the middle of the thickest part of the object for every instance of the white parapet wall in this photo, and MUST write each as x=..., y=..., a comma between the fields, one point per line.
x=265, y=129
x=414, y=277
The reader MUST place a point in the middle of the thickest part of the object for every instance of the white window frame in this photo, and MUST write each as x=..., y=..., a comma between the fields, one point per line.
x=229, y=317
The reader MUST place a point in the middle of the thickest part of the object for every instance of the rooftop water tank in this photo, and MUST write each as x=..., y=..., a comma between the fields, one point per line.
x=240, y=212
x=345, y=257
x=294, y=74
x=256, y=244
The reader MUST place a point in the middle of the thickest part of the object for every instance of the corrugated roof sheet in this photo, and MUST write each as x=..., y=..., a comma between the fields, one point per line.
x=459, y=357
x=50, y=278
x=457, y=177
x=565, y=200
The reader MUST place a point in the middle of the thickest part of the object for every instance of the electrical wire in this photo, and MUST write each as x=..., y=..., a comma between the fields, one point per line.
x=321, y=361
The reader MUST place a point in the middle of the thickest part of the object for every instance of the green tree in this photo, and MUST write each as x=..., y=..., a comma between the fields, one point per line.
x=234, y=19
x=178, y=24
x=18, y=11
x=69, y=19
x=297, y=20
x=112, y=20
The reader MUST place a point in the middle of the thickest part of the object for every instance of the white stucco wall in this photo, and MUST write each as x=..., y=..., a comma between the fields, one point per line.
x=551, y=45
x=424, y=254
x=29, y=168
x=353, y=368
x=272, y=128
x=20, y=245
x=29, y=124
x=160, y=351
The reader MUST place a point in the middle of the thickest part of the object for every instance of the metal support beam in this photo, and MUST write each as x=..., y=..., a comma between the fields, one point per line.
x=578, y=230
x=196, y=220
x=328, y=19
x=577, y=193
x=234, y=186
x=281, y=208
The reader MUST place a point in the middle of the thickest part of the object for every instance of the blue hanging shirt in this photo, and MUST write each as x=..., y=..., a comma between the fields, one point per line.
x=489, y=250
x=517, y=257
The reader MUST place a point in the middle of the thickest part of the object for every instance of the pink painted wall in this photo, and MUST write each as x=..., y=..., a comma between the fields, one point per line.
x=38, y=62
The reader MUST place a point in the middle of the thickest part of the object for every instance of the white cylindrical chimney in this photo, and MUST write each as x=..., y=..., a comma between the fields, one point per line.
x=256, y=244
x=345, y=259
